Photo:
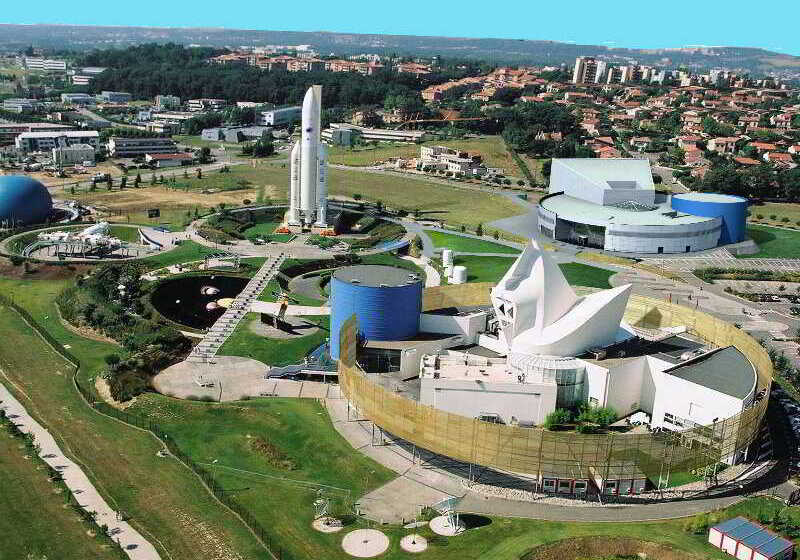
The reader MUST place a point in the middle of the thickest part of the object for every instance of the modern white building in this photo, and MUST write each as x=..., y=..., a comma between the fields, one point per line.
x=78, y=99
x=206, y=104
x=47, y=64
x=19, y=105
x=46, y=141
x=279, y=117
x=373, y=134
x=612, y=204
x=548, y=348
x=308, y=174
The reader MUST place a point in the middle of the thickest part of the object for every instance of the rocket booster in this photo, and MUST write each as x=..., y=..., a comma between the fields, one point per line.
x=309, y=149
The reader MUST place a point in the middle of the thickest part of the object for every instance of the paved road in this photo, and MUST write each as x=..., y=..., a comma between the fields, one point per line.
x=133, y=543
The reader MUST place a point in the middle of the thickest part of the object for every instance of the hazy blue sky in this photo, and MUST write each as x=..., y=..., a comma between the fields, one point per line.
x=771, y=24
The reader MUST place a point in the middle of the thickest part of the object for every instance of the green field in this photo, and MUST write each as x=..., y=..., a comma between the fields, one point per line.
x=187, y=251
x=491, y=148
x=467, y=244
x=243, y=342
x=492, y=269
x=775, y=243
x=177, y=513
x=33, y=520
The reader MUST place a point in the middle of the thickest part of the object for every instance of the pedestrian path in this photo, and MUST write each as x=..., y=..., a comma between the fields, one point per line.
x=224, y=326
x=87, y=496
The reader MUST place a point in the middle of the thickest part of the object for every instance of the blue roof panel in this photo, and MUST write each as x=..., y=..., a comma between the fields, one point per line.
x=773, y=547
x=754, y=536
x=730, y=524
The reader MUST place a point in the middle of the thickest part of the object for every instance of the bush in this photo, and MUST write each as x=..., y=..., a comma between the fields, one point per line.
x=773, y=216
x=558, y=417
x=760, y=216
x=785, y=220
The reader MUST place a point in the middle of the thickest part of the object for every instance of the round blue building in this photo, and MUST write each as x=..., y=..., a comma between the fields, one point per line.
x=23, y=201
x=386, y=300
x=732, y=210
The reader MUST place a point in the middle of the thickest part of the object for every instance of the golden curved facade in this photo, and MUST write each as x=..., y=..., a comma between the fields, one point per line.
x=543, y=453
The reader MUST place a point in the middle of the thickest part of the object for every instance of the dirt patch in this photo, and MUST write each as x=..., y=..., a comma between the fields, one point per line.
x=41, y=271
x=105, y=393
x=587, y=548
x=294, y=327
x=274, y=456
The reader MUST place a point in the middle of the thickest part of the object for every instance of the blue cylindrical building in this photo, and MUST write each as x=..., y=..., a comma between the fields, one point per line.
x=23, y=201
x=731, y=209
x=386, y=300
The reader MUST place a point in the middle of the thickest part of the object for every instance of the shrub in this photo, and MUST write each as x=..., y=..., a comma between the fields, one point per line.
x=760, y=216
x=558, y=417
x=785, y=220
x=773, y=216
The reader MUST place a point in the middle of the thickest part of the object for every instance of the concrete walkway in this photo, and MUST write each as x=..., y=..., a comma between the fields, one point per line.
x=134, y=544
x=432, y=276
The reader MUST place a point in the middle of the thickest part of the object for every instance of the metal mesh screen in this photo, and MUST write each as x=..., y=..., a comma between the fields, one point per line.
x=564, y=454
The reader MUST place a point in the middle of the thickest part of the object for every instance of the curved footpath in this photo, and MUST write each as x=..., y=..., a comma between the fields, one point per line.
x=133, y=543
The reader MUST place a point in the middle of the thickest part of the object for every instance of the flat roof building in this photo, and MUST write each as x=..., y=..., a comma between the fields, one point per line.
x=279, y=117
x=133, y=147
x=612, y=204
x=46, y=141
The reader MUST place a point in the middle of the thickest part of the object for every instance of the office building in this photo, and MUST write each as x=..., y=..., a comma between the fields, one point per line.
x=45, y=141
x=133, y=147
x=588, y=70
x=279, y=117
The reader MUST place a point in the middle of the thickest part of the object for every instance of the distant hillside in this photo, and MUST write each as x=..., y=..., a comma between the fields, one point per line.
x=753, y=60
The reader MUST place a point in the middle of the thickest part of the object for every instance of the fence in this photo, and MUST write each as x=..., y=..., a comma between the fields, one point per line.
x=267, y=540
x=546, y=453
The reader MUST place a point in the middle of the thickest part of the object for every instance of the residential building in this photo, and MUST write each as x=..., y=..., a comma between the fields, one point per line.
x=160, y=161
x=77, y=99
x=723, y=145
x=46, y=141
x=67, y=155
x=20, y=105
x=133, y=147
x=588, y=70
x=279, y=117
x=167, y=102
x=114, y=97
x=205, y=104
x=778, y=157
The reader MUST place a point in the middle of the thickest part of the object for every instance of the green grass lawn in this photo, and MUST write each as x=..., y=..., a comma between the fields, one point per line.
x=492, y=269
x=33, y=521
x=243, y=342
x=289, y=438
x=774, y=242
x=491, y=148
x=467, y=244
x=579, y=274
x=166, y=502
x=185, y=252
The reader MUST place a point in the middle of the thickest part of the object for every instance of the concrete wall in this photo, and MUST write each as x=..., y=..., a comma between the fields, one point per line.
x=528, y=403
x=673, y=239
x=468, y=326
x=691, y=401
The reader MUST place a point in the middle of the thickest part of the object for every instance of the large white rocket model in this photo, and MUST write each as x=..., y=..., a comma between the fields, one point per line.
x=308, y=188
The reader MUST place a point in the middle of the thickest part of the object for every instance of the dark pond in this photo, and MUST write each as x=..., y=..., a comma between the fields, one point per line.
x=190, y=300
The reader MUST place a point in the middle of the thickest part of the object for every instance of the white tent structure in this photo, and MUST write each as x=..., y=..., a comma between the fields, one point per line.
x=540, y=314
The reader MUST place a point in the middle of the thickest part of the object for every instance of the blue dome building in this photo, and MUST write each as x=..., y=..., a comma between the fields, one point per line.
x=23, y=201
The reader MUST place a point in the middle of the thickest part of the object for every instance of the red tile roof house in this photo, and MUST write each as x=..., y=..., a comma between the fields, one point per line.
x=762, y=147
x=746, y=161
x=778, y=157
x=794, y=149
x=723, y=144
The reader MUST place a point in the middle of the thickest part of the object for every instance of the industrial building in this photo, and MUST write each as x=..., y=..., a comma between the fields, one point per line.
x=235, y=134
x=23, y=201
x=205, y=104
x=346, y=134
x=78, y=99
x=160, y=161
x=44, y=141
x=279, y=117
x=114, y=97
x=462, y=374
x=18, y=105
x=612, y=204
x=10, y=131
x=74, y=154
x=133, y=147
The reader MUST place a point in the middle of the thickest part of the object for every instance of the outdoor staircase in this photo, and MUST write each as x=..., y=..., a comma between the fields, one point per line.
x=219, y=332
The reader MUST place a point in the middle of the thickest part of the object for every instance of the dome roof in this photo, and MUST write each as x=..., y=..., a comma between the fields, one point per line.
x=23, y=200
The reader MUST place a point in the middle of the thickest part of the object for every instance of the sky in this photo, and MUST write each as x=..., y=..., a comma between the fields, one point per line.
x=770, y=24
